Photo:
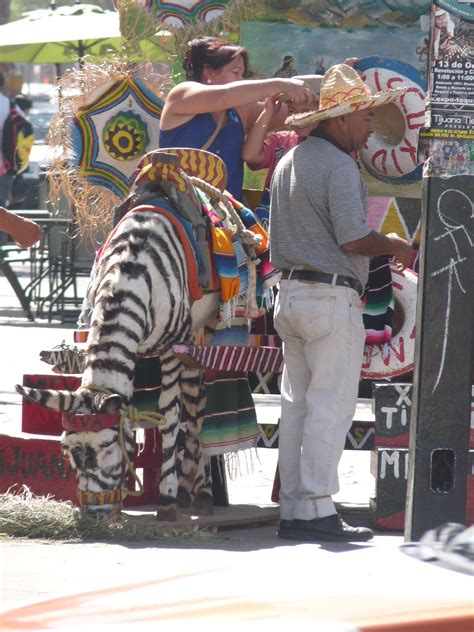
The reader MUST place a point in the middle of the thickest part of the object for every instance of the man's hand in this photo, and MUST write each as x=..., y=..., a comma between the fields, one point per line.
x=403, y=252
x=351, y=61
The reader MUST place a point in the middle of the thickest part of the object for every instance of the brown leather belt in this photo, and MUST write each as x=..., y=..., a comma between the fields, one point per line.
x=322, y=277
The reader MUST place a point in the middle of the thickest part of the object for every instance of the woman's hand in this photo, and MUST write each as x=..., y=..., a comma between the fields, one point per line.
x=297, y=90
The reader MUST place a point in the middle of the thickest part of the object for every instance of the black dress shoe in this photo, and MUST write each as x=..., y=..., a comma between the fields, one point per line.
x=285, y=525
x=329, y=529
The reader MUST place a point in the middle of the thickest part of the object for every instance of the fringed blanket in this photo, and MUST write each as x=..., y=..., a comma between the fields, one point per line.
x=230, y=418
x=230, y=422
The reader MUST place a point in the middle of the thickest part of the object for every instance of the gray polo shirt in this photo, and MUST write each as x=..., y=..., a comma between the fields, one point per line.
x=318, y=202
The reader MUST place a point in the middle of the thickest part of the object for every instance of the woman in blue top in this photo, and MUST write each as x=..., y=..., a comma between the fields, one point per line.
x=217, y=95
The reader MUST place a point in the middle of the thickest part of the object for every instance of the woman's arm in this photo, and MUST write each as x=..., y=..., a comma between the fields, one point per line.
x=190, y=97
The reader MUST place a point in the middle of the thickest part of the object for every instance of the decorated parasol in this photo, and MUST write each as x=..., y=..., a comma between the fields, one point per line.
x=113, y=131
x=184, y=18
x=190, y=13
x=113, y=118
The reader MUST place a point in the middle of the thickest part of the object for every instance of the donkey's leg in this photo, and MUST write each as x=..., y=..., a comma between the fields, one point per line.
x=188, y=447
x=169, y=405
x=192, y=479
x=195, y=475
x=202, y=490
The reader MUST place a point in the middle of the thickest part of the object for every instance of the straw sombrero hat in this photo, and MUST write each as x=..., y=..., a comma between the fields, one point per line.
x=343, y=92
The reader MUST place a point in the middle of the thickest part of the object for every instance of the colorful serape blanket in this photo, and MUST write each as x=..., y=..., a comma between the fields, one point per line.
x=230, y=422
x=268, y=275
x=230, y=261
x=379, y=304
x=262, y=210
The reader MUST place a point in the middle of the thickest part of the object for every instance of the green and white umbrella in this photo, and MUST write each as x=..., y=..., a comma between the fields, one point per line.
x=64, y=35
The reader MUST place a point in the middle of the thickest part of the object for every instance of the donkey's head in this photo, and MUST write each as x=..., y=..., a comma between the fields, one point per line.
x=82, y=401
x=91, y=440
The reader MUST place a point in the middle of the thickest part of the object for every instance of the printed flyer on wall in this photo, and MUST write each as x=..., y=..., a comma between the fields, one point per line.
x=452, y=58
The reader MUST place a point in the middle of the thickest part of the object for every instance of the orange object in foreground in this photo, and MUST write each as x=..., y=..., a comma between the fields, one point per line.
x=208, y=598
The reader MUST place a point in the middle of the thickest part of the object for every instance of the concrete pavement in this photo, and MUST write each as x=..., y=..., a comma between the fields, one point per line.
x=240, y=575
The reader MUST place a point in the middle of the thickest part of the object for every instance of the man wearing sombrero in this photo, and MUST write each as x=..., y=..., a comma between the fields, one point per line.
x=322, y=243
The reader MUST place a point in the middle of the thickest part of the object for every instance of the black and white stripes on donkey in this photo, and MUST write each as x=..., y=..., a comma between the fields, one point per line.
x=140, y=307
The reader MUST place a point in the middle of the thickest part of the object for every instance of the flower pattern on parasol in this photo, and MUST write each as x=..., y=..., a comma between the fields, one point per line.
x=113, y=131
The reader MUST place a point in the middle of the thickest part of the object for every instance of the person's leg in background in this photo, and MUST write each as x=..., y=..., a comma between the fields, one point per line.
x=6, y=184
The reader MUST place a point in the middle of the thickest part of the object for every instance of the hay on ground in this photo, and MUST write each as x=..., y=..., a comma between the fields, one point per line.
x=25, y=515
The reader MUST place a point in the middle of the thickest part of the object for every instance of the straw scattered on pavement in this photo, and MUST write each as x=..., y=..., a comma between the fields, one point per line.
x=25, y=515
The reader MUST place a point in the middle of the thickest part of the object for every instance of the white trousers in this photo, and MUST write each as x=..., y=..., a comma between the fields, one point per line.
x=323, y=340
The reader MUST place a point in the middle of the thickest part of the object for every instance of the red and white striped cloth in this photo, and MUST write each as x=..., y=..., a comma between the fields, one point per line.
x=234, y=357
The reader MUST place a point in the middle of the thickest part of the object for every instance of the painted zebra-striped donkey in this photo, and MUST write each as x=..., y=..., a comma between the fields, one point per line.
x=141, y=307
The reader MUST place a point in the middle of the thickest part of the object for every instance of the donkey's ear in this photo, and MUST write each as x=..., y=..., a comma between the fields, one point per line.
x=54, y=400
x=107, y=404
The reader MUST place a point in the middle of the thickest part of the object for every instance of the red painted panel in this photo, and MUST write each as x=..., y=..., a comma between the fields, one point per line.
x=38, y=420
x=37, y=463
x=41, y=466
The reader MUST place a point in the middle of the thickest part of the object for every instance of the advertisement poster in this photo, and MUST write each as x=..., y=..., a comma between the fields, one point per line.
x=447, y=153
x=452, y=55
x=447, y=143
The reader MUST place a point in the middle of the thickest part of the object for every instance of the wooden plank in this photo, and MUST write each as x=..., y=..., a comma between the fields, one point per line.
x=230, y=516
x=268, y=409
x=39, y=463
x=390, y=467
x=238, y=515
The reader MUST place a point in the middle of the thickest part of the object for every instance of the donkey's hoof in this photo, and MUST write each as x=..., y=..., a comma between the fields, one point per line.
x=116, y=514
x=203, y=505
x=184, y=499
x=166, y=514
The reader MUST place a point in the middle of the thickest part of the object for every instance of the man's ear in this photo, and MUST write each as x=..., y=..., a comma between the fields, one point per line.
x=342, y=123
